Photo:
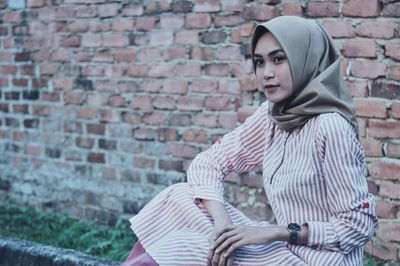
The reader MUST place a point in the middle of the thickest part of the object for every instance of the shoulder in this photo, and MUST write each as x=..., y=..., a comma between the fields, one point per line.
x=333, y=123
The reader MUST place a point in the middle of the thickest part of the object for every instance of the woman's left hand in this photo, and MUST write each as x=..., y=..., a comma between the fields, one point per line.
x=235, y=236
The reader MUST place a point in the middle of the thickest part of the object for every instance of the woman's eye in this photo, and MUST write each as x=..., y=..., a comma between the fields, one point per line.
x=258, y=62
x=278, y=59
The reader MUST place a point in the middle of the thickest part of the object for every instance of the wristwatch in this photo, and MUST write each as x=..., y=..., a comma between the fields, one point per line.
x=294, y=230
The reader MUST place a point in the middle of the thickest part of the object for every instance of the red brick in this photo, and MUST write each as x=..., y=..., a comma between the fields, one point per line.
x=372, y=147
x=382, y=250
x=190, y=103
x=51, y=96
x=340, y=29
x=198, y=21
x=187, y=37
x=391, y=10
x=78, y=26
x=236, y=37
x=20, y=82
x=260, y=13
x=384, y=129
x=389, y=190
x=232, y=5
x=33, y=150
x=131, y=118
x=116, y=101
x=145, y=23
x=155, y=118
x=114, y=40
x=175, y=86
x=138, y=71
x=132, y=10
x=198, y=136
x=248, y=83
x=172, y=21
x=86, y=143
x=104, y=85
x=109, y=115
x=108, y=10
x=96, y=129
x=227, y=121
x=323, y=9
x=35, y=3
x=153, y=85
x=157, y=7
x=202, y=53
x=165, y=103
x=244, y=112
x=184, y=150
x=188, y=69
x=149, y=55
x=72, y=127
x=176, y=53
x=385, y=170
x=207, y=6
x=358, y=88
x=8, y=70
x=158, y=38
x=86, y=12
x=395, y=110
x=86, y=113
x=161, y=70
x=209, y=121
x=393, y=150
x=217, y=69
x=122, y=24
x=395, y=72
x=204, y=86
x=96, y=158
x=370, y=8
x=218, y=103
x=371, y=108
x=293, y=9
x=142, y=102
x=65, y=12
x=227, y=20
x=376, y=29
x=41, y=110
x=125, y=55
x=20, y=108
x=13, y=17
x=139, y=162
x=385, y=209
x=392, y=50
x=94, y=70
x=5, y=56
x=385, y=90
x=91, y=40
x=368, y=69
x=359, y=48
x=389, y=231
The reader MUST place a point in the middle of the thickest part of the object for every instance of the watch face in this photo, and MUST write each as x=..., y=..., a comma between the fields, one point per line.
x=293, y=226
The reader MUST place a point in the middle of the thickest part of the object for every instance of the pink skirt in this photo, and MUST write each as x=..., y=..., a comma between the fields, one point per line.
x=139, y=257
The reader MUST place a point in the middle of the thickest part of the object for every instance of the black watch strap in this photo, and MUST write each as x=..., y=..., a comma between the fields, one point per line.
x=294, y=233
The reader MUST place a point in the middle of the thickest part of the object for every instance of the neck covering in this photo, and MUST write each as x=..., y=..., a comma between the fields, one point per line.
x=318, y=86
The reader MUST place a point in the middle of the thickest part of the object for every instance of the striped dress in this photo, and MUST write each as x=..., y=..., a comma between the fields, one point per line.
x=314, y=177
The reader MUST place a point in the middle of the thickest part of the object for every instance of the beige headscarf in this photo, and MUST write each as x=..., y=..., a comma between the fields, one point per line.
x=318, y=86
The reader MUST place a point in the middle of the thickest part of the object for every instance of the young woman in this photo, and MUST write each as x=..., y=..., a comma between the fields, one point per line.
x=305, y=138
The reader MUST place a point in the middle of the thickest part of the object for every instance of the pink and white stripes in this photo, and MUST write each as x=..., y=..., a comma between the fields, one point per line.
x=313, y=176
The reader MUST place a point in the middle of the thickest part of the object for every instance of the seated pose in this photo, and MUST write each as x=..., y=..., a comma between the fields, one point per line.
x=305, y=137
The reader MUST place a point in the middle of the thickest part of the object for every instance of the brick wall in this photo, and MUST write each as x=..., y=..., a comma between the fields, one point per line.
x=104, y=103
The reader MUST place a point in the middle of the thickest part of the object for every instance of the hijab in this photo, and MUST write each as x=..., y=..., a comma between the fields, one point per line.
x=318, y=86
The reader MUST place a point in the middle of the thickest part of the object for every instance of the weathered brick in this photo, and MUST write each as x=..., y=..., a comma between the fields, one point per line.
x=74, y=97
x=161, y=38
x=389, y=231
x=213, y=37
x=372, y=147
x=91, y=40
x=108, y=10
x=107, y=144
x=393, y=150
x=369, y=8
x=383, y=129
x=145, y=134
x=218, y=70
x=145, y=23
x=371, y=108
x=179, y=119
x=86, y=113
x=368, y=69
x=157, y=7
x=117, y=101
x=167, y=134
x=323, y=9
x=340, y=29
x=376, y=29
x=358, y=88
x=138, y=71
x=122, y=24
x=161, y=70
x=93, y=157
x=53, y=153
x=392, y=50
x=227, y=20
x=187, y=37
x=389, y=91
x=204, y=86
x=171, y=165
x=73, y=127
x=227, y=121
x=391, y=10
x=31, y=123
x=207, y=6
x=13, y=17
x=389, y=190
x=151, y=86
x=189, y=69
x=182, y=6
x=229, y=53
x=184, y=150
x=176, y=53
x=175, y=86
x=97, y=129
x=132, y=10
x=86, y=12
x=114, y=40
x=109, y=115
x=125, y=55
x=190, y=103
x=172, y=21
x=149, y=55
x=260, y=13
x=192, y=135
x=20, y=108
x=395, y=110
x=142, y=102
x=198, y=21
x=385, y=209
x=218, y=103
x=202, y=53
x=86, y=143
x=165, y=103
x=155, y=118
x=395, y=72
x=359, y=48
x=293, y=9
x=139, y=162
x=385, y=169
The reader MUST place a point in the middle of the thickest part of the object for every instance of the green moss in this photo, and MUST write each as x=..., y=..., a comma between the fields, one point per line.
x=66, y=232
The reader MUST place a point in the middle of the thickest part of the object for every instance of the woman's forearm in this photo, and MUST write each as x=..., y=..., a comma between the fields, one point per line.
x=217, y=210
x=283, y=234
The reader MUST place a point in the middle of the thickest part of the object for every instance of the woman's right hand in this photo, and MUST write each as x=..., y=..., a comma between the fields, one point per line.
x=214, y=258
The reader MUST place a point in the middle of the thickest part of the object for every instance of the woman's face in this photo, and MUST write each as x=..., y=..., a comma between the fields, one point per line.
x=272, y=69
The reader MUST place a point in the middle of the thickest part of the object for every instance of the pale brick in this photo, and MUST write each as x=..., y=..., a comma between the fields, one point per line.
x=244, y=112
x=229, y=53
x=155, y=118
x=91, y=40
x=198, y=136
x=229, y=86
x=371, y=108
x=352, y=8
x=323, y=9
x=227, y=121
x=86, y=12
x=198, y=21
x=145, y=23
x=149, y=55
x=158, y=38
x=188, y=69
x=232, y=5
x=395, y=72
x=125, y=55
x=218, y=103
x=152, y=85
x=393, y=150
x=161, y=70
x=132, y=10
x=383, y=129
x=114, y=40
x=382, y=250
x=172, y=21
x=385, y=169
x=142, y=103
x=392, y=50
x=190, y=103
x=184, y=150
x=358, y=88
x=176, y=53
x=207, y=6
x=391, y=10
x=122, y=24
x=74, y=97
x=187, y=37
x=293, y=9
x=389, y=190
x=395, y=110
x=164, y=103
x=227, y=20
x=376, y=29
x=175, y=86
x=204, y=86
x=110, y=116
x=389, y=231
x=108, y=10
x=260, y=13
x=359, y=48
x=368, y=69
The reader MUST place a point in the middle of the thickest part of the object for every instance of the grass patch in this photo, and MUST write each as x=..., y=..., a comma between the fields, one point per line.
x=66, y=232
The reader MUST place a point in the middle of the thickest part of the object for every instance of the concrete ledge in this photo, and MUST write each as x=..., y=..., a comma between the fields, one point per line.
x=26, y=253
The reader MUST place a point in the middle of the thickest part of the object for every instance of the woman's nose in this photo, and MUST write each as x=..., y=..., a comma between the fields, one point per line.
x=268, y=73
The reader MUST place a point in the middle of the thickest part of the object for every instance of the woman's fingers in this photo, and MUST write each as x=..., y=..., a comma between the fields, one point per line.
x=222, y=238
x=227, y=243
x=230, y=260
x=224, y=230
x=233, y=247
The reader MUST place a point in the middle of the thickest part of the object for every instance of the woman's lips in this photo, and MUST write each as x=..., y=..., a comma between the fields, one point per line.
x=271, y=88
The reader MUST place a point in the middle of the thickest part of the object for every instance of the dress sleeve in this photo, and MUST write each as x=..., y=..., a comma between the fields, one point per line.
x=353, y=220
x=239, y=151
